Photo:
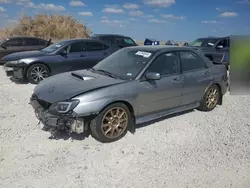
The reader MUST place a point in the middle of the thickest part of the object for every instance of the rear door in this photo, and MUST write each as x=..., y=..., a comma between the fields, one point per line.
x=197, y=77
x=31, y=44
x=95, y=52
x=12, y=46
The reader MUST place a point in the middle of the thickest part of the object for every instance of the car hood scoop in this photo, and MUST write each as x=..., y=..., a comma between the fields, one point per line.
x=67, y=85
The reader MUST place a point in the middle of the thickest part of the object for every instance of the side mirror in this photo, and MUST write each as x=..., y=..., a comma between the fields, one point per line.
x=153, y=76
x=219, y=47
x=64, y=52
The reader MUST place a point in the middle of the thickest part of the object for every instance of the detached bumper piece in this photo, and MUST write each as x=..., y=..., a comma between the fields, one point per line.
x=56, y=122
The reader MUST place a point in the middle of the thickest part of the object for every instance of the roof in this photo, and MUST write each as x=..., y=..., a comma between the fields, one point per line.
x=13, y=37
x=159, y=48
x=82, y=39
x=116, y=35
x=151, y=39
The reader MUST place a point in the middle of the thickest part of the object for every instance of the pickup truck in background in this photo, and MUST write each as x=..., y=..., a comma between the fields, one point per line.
x=215, y=48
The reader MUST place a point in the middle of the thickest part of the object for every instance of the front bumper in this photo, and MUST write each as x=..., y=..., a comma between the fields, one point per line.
x=53, y=122
x=16, y=72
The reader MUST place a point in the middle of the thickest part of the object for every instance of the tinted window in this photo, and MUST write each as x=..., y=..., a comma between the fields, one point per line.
x=106, y=38
x=223, y=43
x=206, y=42
x=42, y=42
x=14, y=42
x=190, y=61
x=165, y=64
x=128, y=41
x=77, y=47
x=31, y=42
x=94, y=46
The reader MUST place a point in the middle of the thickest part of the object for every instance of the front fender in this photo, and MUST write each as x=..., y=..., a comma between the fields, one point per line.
x=94, y=107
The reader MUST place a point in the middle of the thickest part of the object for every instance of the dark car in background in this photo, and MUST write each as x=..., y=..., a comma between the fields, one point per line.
x=213, y=47
x=115, y=40
x=63, y=56
x=21, y=43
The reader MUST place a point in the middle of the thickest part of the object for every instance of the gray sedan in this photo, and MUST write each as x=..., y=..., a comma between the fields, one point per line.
x=131, y=86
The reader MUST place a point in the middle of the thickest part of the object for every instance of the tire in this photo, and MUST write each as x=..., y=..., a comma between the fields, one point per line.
x=35, y=68
x=204, y=104
x=98, y=129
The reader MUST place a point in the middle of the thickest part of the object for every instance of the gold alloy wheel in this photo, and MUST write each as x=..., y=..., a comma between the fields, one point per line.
x=212, y=98
x=114, y=122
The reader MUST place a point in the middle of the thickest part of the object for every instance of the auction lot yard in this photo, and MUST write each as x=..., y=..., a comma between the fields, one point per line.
x=195, y=149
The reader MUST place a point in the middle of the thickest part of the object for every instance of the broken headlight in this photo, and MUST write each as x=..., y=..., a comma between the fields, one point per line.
x=63, y=107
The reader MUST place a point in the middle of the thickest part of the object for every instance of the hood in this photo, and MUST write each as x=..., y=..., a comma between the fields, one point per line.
x=22, y=55
x=67, y=85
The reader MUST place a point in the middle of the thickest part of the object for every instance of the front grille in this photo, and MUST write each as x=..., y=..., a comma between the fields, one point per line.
x=43, y=103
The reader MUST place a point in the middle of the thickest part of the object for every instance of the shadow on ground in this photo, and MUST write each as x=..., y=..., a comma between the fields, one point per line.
x=73, y=136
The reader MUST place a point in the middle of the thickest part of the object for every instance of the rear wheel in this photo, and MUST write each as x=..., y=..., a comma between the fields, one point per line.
x=37, y=72
x=112, y=123
x=210, y=99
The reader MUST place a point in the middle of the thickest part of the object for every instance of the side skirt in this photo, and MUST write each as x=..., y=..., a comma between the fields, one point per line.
x=164, y=113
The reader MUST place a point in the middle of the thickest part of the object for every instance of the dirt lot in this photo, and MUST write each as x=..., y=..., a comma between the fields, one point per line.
x=191, y=150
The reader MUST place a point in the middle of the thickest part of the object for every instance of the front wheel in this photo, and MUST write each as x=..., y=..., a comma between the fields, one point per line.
x=37, y=72
x=210, y=98
x=112, y=123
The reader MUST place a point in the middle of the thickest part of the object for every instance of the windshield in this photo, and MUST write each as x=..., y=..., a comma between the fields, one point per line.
x=53, y=47
x=207, y=42
x=126, y=63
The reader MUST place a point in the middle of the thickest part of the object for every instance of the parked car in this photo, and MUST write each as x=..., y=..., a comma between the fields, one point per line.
x=213, y=47
x=21, y=43
x=151, y=42
x=131, y=86
x=171, y=43
x=63, y=56
x=115, y=40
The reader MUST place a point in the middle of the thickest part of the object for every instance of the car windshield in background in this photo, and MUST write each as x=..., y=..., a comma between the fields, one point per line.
x=125, y=64
x=203, y=42
x=53, y=47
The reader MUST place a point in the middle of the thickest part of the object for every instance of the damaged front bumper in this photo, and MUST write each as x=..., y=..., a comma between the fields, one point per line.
x=16, y=71
x=68, y=123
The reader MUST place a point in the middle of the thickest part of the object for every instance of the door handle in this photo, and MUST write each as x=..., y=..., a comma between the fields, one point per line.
x=82, y=55
x=206, y=73
x=175, y=80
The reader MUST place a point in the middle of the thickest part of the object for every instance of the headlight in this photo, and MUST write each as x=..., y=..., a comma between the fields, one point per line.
x=14, y=62
x=63, y=107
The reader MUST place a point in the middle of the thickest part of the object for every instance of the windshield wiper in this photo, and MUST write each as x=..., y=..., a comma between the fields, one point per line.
x=105, y=72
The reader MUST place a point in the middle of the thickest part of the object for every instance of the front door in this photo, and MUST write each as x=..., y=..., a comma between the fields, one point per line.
x=163, y=94
x=196, y=77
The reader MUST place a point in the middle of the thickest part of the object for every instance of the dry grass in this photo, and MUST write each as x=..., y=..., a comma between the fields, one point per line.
x=45, y=26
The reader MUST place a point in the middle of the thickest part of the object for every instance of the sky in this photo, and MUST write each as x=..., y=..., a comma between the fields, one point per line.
x=180, y=20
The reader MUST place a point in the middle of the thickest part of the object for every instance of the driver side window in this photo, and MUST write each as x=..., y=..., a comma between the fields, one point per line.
x=76, y=47
x=165, y=64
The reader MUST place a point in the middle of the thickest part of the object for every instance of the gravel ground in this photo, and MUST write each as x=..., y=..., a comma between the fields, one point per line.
x=191, y=150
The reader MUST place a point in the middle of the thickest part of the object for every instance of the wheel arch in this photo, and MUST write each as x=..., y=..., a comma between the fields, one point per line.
x=219, y=86
x=130, y=107
x=33, y=63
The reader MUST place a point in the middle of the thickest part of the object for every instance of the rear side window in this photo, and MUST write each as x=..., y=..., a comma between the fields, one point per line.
x=96, y=46
x=128, y=41
x=31, y=42
x=77, y=47
x=14, y=42
x=190, y=62
x=42, y=42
